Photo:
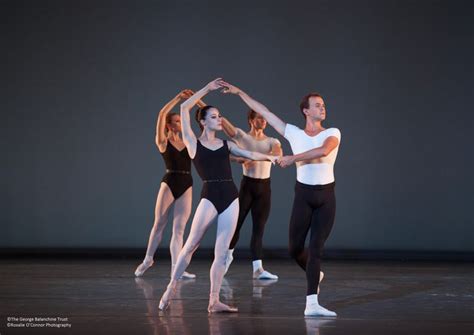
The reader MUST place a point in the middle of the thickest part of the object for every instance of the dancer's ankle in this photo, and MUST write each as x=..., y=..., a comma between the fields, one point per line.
x=148, y=259
x=257, y=266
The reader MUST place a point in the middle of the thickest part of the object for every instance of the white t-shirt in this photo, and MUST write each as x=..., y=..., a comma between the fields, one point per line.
x=319, y=171
x=255, y=169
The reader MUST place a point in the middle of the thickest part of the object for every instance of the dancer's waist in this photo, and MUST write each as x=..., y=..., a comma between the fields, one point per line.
x=178, y=171
x=217, y=180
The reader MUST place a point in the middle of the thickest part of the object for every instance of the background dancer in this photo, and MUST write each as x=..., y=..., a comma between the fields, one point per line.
x=219, y=196
x=255, y=188
x=176, y=185
x=315, y=150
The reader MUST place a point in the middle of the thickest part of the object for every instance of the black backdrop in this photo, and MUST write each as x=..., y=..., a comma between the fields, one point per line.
x=83, y=82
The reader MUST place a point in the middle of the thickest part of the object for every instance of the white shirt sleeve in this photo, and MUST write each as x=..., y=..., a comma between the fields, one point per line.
x=291, y=132
x=334, y=132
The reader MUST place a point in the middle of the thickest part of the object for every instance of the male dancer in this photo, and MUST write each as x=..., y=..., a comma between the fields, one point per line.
x=315, y=150
x=255, y=190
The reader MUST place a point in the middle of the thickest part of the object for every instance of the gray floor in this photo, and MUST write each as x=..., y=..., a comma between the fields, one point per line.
x=103, y=297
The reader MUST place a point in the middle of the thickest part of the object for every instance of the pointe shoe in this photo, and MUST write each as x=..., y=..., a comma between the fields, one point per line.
x=261, y=274
x=219, y=307
x=317, y=310
x=165, y=300
x=142, y=268
x=321, y=276
x=163, y=306
x=187, y=275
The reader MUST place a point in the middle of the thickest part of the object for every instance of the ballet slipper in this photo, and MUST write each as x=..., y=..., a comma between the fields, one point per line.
x=261, y=274
x=142, y=268
x=165, y=300
x=219, y=307
x=187, y=275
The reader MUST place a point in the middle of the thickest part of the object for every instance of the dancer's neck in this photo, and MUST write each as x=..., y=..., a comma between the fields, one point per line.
x=208, y=135
x=313, y=127
x=257, y=133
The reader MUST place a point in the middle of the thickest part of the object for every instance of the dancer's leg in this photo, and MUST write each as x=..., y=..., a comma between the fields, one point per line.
x=300, y=223
x=321, y=226
x=163, y=202
x=260, y=212
x=205, y=214
x=226, y=224
x=245, y=202
x=181, y=212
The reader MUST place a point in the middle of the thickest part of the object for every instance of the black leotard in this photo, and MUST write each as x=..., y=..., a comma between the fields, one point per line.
x=178, y=170
x=213, y=166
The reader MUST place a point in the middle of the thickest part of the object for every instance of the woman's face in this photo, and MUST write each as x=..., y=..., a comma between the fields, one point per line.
x=213, y=120
x=175, y=124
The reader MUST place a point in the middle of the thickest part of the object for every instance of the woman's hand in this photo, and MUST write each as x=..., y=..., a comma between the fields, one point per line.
x=285, y=161
x=214, y=85
x=186, y=94
x=228, y=88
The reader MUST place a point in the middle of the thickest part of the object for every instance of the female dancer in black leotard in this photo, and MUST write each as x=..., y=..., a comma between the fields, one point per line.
x=176, y=185
x=219, y=196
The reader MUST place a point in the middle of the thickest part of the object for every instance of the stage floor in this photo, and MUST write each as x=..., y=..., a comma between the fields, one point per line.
x=103, y=297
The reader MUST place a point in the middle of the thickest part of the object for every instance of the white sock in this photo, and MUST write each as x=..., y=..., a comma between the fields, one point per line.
x=313, y=308
x=312, y=299
x=257, y=265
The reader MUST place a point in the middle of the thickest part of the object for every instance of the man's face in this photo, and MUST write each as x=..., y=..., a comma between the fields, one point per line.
x=317, y=109
x=258, y=122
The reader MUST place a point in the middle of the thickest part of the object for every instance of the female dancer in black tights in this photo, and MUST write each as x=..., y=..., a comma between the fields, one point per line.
x=176, y=185
x=219, y=197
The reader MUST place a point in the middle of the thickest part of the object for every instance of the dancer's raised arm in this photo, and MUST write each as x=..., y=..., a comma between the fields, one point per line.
x=160, y=137
x=189, y=138
x=261, y=109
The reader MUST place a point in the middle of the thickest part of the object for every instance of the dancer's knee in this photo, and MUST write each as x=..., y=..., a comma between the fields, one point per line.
x=220, y=258
x=295, y=251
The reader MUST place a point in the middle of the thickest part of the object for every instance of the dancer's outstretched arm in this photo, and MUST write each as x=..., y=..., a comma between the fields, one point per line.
x=189, y=138
x=261, y=109
x=255, y=156
x=329, y=145
x=160, y=138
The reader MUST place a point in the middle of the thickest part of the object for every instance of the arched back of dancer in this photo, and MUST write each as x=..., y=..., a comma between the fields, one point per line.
x=315, y=150
x=175, y=187
x=219, y=197
x=255, y=187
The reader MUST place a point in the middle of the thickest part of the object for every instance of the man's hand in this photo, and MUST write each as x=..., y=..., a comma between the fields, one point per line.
x=285, y=161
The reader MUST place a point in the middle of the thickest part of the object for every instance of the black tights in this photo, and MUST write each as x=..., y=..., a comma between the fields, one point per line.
x=314, y=207
x=254, y=195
